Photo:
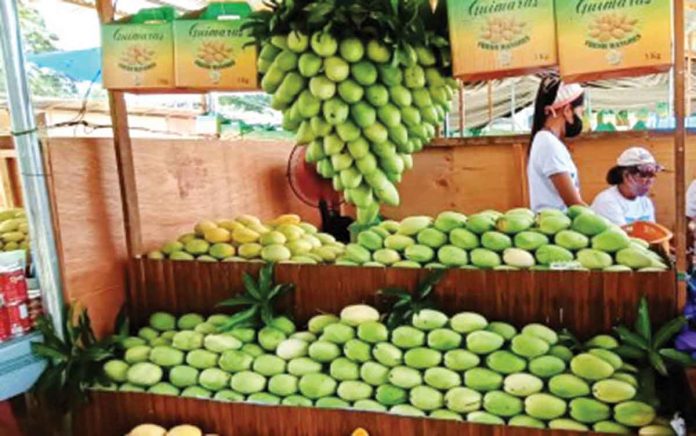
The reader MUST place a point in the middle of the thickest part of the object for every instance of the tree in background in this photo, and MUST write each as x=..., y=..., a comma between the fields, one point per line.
x=37, y=39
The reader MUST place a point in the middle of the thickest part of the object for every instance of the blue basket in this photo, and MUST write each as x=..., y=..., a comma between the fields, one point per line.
x=19, y=368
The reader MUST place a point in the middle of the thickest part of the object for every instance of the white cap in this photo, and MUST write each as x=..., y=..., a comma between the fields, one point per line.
x=635, y=156
x=567, y=94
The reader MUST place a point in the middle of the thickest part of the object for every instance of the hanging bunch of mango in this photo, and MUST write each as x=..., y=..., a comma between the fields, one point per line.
x=364, y=84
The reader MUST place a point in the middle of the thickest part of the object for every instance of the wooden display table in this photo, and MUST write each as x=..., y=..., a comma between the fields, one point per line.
x=586, y=303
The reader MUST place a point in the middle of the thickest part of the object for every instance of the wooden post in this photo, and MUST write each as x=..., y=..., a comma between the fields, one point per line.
x=689, y=58
x=124, y=154
x=680, y=143
x=462, y=110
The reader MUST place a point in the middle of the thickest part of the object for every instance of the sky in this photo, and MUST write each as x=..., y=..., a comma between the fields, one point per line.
x=77, y=27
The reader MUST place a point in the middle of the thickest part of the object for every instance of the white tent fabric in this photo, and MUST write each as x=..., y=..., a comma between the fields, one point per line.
x=519, y=93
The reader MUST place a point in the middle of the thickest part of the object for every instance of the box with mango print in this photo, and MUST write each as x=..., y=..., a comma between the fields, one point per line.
x=499, y=38
x=138, y=51
x=211, y=51
x=613, y=38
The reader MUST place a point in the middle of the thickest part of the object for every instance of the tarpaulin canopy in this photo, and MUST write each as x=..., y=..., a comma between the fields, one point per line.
x=78, y=65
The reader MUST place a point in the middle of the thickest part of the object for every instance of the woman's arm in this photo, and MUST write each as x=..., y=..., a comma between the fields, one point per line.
x=566, y=189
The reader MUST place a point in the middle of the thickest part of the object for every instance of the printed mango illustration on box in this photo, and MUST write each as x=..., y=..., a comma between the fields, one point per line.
x=499, y=38
x=613, y=38
x=211, y=50
x=138, y=51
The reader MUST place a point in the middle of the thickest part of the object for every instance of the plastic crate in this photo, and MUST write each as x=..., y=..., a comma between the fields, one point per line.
x=19, y=368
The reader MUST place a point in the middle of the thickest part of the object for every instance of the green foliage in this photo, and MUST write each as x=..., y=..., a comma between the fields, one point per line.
x=648, y=351
x=37, y=39
x=75, y=361
x=408, y=304
x=259, y=300
x=640, y=344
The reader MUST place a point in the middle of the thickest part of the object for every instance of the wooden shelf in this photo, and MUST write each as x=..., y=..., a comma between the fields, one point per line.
x=587, y=303
x=163, y=91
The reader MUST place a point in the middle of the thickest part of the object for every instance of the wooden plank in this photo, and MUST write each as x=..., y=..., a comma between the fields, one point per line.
x=520, y=151
x=561, y=299
x=680, y=142
x=115, y=414
x=180, y=182
x=466, y=179
x=124, y=153
x=87, y=202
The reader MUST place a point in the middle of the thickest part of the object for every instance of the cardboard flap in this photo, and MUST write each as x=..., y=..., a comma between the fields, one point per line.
x=164, y=14
x=218, y=11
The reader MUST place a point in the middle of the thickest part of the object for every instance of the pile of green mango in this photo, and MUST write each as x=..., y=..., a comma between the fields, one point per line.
x=284, y=239
x=360, y=114
x=461, y=368
x=14, y=230
x=514, y=240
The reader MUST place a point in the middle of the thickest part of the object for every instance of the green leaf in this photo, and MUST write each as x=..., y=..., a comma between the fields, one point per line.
x=678, y=357
x=87, y=333
x=48, y=352
x=425, y=287
x=238, y=300
x=658, y=363
x=629, y=352
x=394, y=292
x=279, y=290
x=266, y=279
x=267, y=315
x=631, y=338
x=239, y=318
x=393, y=320
x=45, y=326
x=50, y=379
x=395, y=6
x=122, y=323
x=569, y=338
x=668, y=331
x=646, y=386
x=70, y=332
x=402, y=303
x=643, y=320
x=97, y=353
x=250, y=286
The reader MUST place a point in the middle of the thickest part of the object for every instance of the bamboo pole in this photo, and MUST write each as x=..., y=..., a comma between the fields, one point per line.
x=680, y=142
x=124, y=154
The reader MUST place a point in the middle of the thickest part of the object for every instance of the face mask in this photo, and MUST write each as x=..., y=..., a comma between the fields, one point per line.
x=575, y=128
x=640, y=188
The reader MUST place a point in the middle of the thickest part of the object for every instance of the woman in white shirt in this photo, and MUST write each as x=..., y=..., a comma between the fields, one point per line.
x=626, y=200
x=552, y=174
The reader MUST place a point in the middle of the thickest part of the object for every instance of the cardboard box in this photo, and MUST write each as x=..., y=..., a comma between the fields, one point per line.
x=599, y=39
x=492, y=39
x=138, y=51
x=211, y=52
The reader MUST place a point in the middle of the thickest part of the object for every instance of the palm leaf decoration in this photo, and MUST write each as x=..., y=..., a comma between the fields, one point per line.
x=651, y=352
x=408, y=304
x=75, y=358
x=640, y=344
x=258, y=300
